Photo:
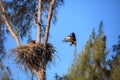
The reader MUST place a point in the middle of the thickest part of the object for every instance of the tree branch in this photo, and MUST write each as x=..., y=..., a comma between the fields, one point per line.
x=8, y=24
x=38, y=40
x=48, y=22
x=33, y=16
x=35, y=23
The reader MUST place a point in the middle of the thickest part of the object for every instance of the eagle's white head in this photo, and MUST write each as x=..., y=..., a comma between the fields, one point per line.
x=68, y=39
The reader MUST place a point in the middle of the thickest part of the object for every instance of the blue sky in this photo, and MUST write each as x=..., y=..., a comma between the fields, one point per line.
x=79, y=16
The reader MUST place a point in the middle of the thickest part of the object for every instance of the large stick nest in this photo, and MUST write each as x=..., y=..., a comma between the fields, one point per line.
x=34, y=56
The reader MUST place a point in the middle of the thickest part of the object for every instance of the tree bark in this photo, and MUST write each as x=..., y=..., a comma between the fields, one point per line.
x=39, y=22
x=48, y=22
x=8, y=24
x=41, y=74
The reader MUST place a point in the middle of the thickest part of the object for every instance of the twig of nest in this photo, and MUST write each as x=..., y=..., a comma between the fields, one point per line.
x=34, y=56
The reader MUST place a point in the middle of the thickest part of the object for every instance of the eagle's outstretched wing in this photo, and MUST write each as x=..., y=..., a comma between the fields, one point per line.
x=73, y=36
x=73, y=41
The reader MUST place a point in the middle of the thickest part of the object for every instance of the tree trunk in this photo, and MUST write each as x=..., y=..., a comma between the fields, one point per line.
x=48, y=22
x=8, y=24
x=41, y=73
x=39, y=22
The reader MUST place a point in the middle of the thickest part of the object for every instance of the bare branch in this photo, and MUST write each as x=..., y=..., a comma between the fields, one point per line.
x=35, y=23
x=48, y=22
x=8, y=24
x=38, y=40
x=33, y=16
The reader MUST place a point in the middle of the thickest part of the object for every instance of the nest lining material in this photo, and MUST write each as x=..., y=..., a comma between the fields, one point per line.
x=34, y=56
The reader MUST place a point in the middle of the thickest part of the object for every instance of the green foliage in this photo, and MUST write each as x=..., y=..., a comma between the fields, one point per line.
x=5, y=73
x=2, y=39
x=57, y=77
x=91, y=62
x=115, y=62
x=20, y=14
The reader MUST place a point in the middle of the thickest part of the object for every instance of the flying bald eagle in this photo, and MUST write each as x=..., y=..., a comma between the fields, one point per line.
x=71, y=38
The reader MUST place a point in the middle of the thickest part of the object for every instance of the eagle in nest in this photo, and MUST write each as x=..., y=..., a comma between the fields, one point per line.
x=71, y=38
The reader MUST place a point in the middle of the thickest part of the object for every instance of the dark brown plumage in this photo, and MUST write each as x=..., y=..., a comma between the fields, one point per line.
x=71, y=38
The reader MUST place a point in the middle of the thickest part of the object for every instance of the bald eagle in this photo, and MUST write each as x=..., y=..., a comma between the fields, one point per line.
x=31, y=42
x=71, y=38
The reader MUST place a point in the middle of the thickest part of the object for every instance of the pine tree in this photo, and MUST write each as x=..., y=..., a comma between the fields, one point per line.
x=115, y=62
x=17, y=18
x=5, y=73
x=91, y=62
